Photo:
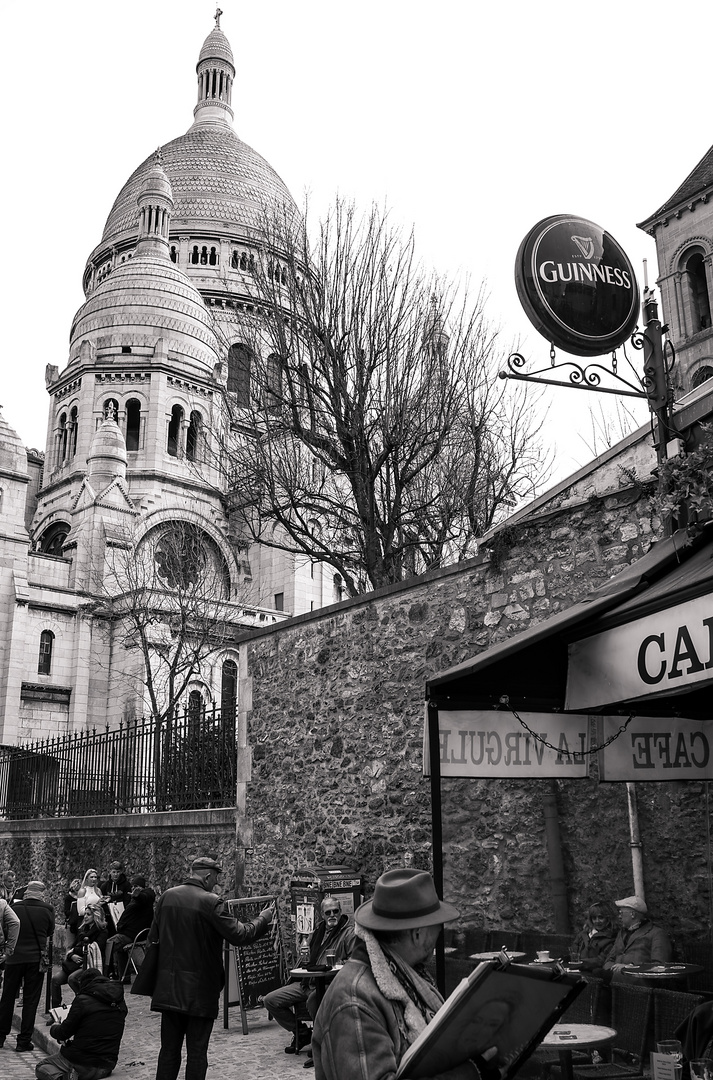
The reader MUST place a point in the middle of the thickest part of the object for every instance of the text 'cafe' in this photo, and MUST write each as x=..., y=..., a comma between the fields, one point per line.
x=636, y=655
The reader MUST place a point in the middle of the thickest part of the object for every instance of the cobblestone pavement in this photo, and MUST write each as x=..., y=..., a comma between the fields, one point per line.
x=259, y=1055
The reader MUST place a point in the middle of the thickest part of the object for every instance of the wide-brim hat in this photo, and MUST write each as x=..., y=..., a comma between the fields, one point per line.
x=403, y=900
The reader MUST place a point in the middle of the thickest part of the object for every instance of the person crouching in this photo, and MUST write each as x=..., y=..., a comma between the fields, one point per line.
x=91, y=1032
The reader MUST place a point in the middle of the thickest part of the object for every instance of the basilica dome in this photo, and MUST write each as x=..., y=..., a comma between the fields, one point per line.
x=222, y=188
x=216, y=180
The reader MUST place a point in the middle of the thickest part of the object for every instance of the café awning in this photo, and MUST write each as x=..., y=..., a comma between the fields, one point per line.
x=532, y=670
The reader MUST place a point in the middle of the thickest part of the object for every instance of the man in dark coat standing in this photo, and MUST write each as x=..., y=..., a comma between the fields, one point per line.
x=23, y=967
x=190, y=925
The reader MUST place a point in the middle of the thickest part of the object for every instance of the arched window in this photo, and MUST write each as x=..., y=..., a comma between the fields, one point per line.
x=52, y=540
x=195, y=705
x=62, y=439
x=274, y=382
x=239, y=370
x=44, y=662
x=702, y=375
x=243, y=261
x=173, y=444
x=204, y=256
x=213, y=257
x=194, y=255
x=698, y=292
x=174, y=253
x=133, y=424
x=73, y=425
x=193, y=437
x=234, y=261
x=229, y=689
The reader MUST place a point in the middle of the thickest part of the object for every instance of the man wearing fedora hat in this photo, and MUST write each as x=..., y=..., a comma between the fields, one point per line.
x=383, y=997
x=190, y=924
x=639, y=941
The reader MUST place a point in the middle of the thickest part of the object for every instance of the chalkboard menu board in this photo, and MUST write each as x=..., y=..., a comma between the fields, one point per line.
x=258, y=967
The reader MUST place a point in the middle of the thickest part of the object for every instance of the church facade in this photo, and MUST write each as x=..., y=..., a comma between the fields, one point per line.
x=157, y=372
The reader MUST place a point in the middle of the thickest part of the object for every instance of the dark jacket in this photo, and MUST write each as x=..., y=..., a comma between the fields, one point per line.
x=593, y=950
x=36, y=925
x=696, y=1032
x=138, y=914
x=116, y=892
x=94, y=1024
x=85, y=935
x=645, y=944
x=190, y=925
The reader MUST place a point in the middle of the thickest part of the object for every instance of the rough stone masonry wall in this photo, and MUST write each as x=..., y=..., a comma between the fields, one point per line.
x=336, y=738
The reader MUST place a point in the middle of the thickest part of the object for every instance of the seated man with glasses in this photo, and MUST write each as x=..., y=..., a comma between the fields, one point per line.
x=298, y=1000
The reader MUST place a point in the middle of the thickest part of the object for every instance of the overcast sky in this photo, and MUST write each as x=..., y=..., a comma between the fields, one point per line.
x=471, y=120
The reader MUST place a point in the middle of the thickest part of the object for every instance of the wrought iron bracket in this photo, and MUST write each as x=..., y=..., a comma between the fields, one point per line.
x=595, y=376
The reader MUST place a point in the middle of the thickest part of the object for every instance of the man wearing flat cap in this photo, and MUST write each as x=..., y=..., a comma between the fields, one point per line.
x=383, y=997
x=22, y=969
x=639, y=940
x=190, y=924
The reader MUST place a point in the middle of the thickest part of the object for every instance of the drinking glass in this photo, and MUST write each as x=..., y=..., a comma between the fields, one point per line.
x=702, y=1069
x=672, y=1047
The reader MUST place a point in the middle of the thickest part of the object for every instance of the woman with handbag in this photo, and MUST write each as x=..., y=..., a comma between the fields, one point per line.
x=88, y=947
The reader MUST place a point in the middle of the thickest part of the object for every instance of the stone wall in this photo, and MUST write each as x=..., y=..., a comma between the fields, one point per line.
x=335, y=734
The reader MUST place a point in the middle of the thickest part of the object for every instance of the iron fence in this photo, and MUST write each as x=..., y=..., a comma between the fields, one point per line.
x=187, y=761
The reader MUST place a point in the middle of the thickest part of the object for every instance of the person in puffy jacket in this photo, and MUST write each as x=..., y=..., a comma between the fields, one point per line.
x=190, y=925
x=91, y=1032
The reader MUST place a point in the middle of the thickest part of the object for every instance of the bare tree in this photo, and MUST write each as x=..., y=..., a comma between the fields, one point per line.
x=376, y=436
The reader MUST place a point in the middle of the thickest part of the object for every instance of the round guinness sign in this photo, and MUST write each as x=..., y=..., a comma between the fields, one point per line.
x=577, y=285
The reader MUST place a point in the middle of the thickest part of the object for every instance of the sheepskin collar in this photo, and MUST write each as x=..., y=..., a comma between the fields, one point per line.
x=392, y=988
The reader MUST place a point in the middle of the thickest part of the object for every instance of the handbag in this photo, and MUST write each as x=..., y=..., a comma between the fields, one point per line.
x=145, y=980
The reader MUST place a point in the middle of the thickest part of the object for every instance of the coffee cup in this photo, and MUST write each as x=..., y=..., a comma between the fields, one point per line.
x=543, y=955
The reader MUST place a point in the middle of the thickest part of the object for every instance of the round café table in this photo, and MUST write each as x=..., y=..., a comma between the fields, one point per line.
x=662, y=971
x=494, y=954
x=568, y=1037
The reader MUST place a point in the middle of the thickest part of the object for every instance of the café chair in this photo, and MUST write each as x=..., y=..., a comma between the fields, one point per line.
x=671, y=1007
x=136, y=952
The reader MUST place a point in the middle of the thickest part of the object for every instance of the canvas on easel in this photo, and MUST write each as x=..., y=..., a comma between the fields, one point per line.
x=502, y=1011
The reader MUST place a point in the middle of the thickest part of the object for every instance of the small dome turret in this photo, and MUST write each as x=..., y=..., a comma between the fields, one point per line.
x=155, y=203
x=107, y=455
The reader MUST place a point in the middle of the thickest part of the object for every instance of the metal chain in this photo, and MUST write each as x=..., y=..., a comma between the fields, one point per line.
x=505, y=700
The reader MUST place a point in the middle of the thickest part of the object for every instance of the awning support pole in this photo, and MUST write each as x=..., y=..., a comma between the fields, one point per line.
x=554, y=852
x=637, y=862
x=437, y=833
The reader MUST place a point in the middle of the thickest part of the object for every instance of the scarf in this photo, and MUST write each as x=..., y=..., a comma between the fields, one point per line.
x=401, y=983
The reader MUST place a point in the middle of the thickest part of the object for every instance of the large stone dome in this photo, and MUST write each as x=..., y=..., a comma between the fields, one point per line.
x=218, y=182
